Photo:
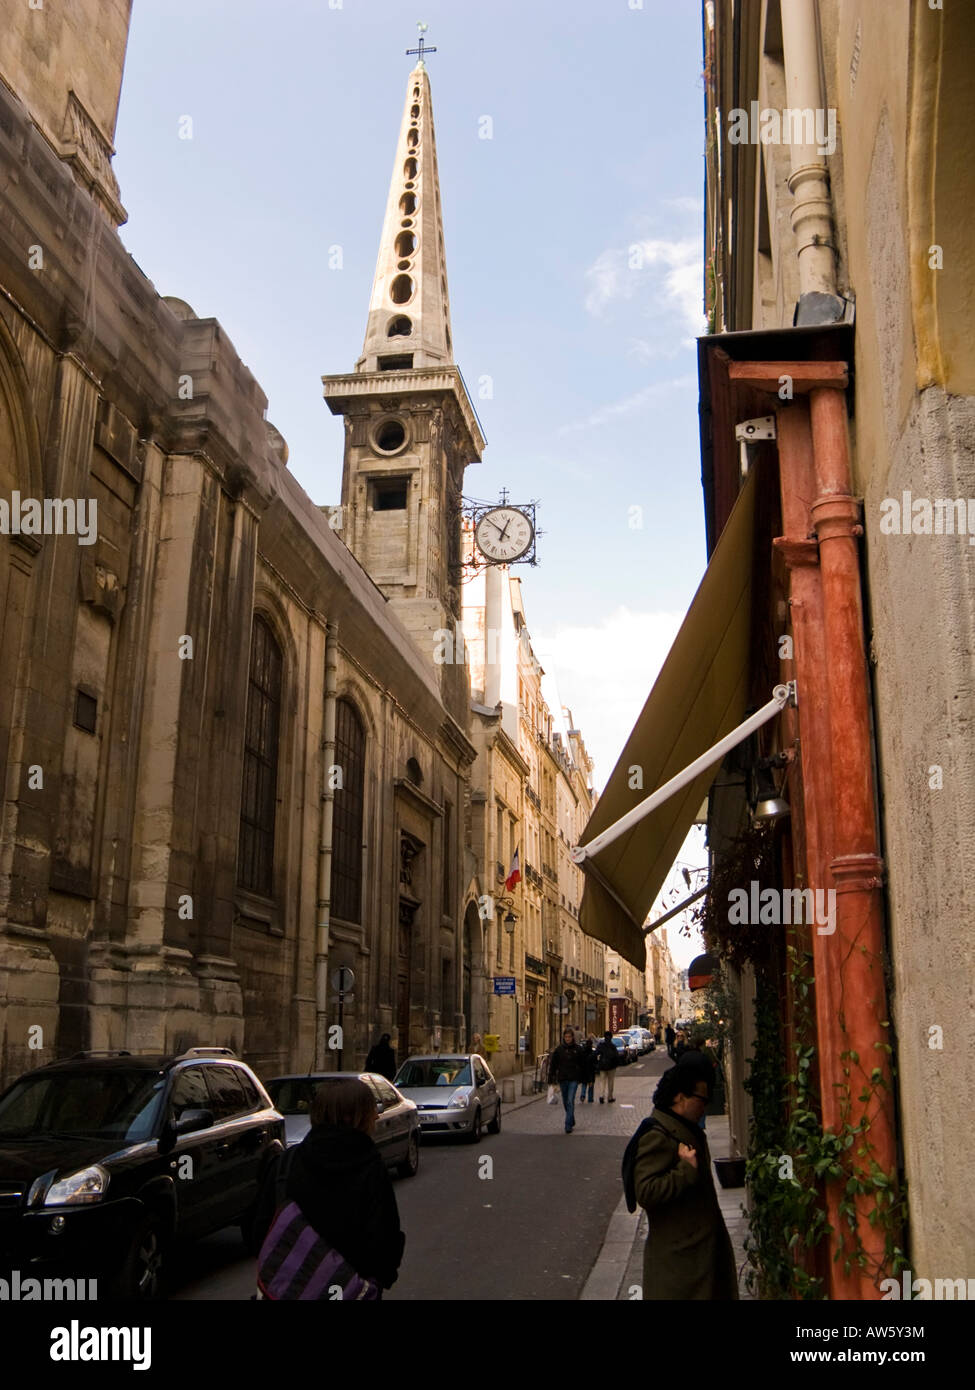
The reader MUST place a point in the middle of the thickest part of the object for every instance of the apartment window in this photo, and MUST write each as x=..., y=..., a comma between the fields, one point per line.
x=255, y=851
x=350, y=744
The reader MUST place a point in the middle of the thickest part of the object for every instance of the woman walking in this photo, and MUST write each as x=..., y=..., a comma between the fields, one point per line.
x=667, y=1170
x=337, y=1222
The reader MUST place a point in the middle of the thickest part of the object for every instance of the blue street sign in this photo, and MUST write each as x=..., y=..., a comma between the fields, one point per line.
x=504, y=984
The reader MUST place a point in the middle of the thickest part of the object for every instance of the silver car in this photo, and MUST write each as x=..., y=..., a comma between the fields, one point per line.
x=397, y=1134
x=453, y=1094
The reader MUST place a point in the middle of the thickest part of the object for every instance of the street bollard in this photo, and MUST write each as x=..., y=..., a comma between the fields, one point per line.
x=508, y=1090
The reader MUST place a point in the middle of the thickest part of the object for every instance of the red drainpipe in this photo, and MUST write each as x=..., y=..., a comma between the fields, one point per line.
x=821, y=515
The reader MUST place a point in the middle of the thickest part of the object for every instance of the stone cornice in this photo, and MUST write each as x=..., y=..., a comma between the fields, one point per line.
x=339, y=390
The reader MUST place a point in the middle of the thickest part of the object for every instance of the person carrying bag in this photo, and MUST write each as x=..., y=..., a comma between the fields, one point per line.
x=335, y=1233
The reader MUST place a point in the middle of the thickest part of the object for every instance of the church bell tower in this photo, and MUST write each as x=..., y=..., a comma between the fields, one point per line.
x=410, y=427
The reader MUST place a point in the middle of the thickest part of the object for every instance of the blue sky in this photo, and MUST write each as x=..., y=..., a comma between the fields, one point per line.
x=573, y=242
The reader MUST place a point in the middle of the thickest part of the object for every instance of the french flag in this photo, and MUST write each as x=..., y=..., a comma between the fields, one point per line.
x=514, y=875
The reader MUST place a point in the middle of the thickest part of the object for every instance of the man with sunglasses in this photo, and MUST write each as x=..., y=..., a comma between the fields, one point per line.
x=667, y=1170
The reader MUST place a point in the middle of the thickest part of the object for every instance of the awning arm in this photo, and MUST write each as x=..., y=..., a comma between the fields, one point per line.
x=674, y=911
x=781, y=696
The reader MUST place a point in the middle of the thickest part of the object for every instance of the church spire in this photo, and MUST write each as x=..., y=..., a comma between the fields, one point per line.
x=409, y=312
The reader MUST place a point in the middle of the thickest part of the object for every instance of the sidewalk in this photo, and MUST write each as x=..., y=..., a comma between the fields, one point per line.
x=618, y=1271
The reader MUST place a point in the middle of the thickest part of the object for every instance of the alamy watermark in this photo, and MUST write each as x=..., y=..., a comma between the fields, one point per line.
x=18, y=1290
x=50, y=516
x=773, y=907
x=800, y=125
x=926, y=1289
x=920, y=516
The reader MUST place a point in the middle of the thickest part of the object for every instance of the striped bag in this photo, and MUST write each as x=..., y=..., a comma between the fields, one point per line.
x=295, y=1263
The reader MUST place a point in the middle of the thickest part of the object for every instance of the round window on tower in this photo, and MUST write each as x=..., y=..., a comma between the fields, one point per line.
x=406, y=243
x=407, y=204
x=409, y=168
x=399, y=327
x=389, y=436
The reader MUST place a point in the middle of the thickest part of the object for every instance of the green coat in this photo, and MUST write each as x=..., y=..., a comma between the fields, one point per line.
x=688, y=1252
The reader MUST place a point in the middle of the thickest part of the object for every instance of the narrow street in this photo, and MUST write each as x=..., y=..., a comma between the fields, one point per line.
x=533, y=1229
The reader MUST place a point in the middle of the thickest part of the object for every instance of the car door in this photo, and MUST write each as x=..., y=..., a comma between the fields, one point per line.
x=396, y=1108
x=232, y=1137
x=193, y=1161
x=487, y=1091
x=385, y=1135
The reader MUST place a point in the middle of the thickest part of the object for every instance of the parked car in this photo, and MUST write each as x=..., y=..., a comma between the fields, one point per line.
x=622, y=1047
x=453, y=1094
x=108, y=1158
x=634, y=1042
x=397, y=1135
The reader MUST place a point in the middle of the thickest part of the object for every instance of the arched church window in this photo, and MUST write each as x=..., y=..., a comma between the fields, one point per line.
x=350, y=755
x=255, y=851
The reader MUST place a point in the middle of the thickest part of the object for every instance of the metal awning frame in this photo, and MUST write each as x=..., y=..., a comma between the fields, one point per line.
x=582, y=855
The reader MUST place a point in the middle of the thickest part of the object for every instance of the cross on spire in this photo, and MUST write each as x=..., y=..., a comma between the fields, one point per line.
x=410, y=52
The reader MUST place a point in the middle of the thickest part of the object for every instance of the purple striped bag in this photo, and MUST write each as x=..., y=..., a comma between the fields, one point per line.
x=295, y=1263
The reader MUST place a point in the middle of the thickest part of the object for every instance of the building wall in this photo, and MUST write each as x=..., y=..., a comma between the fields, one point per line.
x=899, y=78
x=908, y=181
x=122, y=923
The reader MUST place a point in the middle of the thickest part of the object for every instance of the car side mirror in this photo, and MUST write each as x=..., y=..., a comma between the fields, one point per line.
x=192, y=1120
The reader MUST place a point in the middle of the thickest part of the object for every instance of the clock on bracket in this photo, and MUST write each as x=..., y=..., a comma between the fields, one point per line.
x=503, y=534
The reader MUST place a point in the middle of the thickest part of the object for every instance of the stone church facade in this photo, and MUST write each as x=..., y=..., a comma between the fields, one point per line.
x=230, y=762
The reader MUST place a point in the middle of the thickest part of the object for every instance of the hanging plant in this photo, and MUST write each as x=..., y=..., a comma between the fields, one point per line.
x=749, y=858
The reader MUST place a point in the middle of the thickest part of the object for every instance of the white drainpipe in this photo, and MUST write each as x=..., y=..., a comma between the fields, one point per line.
x=812, y=209
x=326, y=816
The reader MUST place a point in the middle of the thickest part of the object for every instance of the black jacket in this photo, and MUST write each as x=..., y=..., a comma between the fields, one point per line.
x=382, y=1058
x=339, y=1180
x=565, y=1063
x=606, y=1056
x=588, y=1062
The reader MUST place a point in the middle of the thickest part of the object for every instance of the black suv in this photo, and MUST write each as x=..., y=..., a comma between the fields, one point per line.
x=108, y=1158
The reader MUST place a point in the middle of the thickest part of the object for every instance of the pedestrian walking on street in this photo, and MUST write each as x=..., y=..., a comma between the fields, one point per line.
x=667, y=1171
x=565, y=1070
x=607, y=1060
x=382, y=1058
x=331, y=1207
x=671, y=1038
x=588, y=1064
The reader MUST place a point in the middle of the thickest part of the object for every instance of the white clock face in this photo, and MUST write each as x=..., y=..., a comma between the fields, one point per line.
x=503, y=534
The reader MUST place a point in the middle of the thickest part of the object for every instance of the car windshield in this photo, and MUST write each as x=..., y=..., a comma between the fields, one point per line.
x=121, y=1106
x=435, y=1071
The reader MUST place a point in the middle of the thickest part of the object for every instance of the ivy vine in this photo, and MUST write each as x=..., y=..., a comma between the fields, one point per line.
x=793, y=1158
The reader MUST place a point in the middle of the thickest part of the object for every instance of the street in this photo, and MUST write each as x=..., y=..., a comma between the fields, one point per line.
x=532, y=1229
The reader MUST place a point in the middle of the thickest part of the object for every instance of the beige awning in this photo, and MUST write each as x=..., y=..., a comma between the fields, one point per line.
x=699, y=696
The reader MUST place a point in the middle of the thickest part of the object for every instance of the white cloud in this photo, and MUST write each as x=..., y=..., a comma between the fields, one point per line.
x=627, y=405
x=605, y=673
x=664, y=277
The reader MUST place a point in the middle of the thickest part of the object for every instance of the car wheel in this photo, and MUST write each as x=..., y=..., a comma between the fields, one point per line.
x=141, y=1273
x=475, y=1130
x=495, y=1126
x=408, y=1168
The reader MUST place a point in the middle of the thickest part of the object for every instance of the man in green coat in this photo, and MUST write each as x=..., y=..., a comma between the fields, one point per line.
x=688, y=1254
